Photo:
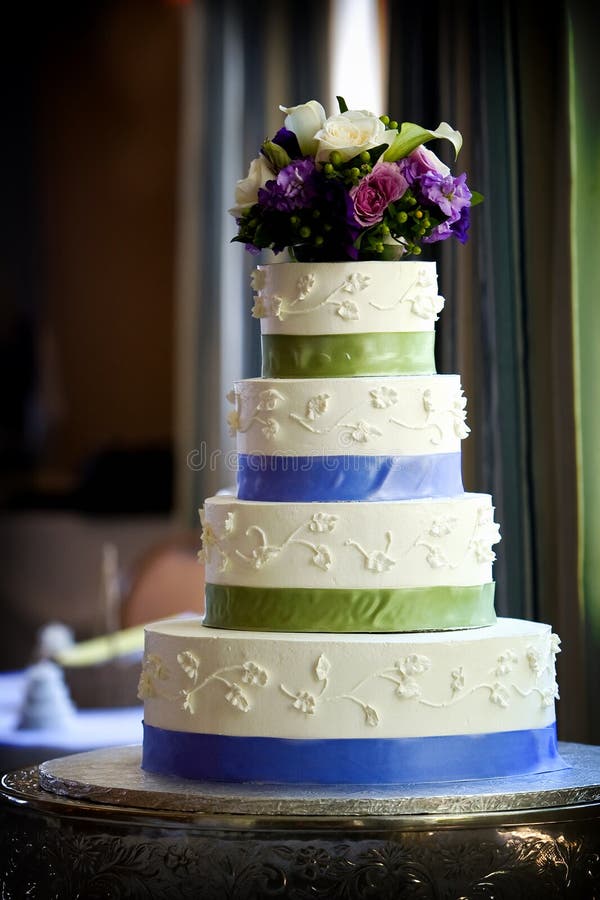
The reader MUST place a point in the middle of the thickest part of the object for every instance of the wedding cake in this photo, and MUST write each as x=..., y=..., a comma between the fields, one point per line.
x=350, y=635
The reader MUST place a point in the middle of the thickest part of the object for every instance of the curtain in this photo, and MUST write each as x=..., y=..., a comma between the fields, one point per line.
x=584, y=130
x=520, y=323
x=500, y=74
x=242, y=59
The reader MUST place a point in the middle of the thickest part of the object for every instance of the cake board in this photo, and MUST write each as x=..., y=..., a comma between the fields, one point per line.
x=95, y=825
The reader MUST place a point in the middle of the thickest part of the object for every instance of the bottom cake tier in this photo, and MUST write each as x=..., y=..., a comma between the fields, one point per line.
x=236, y=706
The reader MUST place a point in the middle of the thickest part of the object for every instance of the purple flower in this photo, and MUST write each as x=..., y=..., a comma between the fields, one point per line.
x=374, y=193
x=461, y=226
x=450, y=194
x=288, y=140
x=340, y=209
x=419, y=162
x=457, y=229
x=294, y=187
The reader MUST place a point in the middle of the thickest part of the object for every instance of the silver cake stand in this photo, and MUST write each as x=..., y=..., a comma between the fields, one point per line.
x=94, y=825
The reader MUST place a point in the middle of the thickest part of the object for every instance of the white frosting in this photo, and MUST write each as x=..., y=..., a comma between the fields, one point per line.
x=346, y=298
x=392, y=544
x=198, y=679
x=360, y=416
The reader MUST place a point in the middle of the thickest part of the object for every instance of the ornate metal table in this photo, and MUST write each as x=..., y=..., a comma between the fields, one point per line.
x=94, y=825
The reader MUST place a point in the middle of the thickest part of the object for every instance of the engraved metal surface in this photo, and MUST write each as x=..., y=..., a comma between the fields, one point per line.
x=114, y=777
x=53, y=846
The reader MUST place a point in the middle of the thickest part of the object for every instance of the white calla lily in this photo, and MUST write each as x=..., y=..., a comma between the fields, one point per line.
x=411, y=136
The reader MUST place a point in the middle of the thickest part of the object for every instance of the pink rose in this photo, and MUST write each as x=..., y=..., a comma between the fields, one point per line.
x=373, y=194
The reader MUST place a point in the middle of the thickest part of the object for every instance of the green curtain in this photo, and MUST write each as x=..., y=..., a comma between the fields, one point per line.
x=500, y=73
x=584, y=130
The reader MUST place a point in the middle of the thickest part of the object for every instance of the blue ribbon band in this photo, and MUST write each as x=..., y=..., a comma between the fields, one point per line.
x=312, y=478
x=366, y=761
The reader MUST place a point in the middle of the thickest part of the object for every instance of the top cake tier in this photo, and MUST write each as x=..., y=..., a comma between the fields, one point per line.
x=347, y=318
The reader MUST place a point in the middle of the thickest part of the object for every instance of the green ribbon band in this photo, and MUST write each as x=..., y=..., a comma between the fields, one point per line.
x=347, y=610
x=341, y=355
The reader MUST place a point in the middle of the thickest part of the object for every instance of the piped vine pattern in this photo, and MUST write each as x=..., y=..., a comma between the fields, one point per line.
x=344, y=301
x=339, y=300
x=352, y=425
x=375, y=560
x=442, y=549
x=421, y=295
x=410, y=676
x=265, y=551
x=405, y=676
x=213, y=541
x=237, y=680
x=485, y=534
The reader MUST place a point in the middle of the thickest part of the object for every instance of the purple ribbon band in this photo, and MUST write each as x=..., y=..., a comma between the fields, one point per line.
x=375, y=761
x=312, y=478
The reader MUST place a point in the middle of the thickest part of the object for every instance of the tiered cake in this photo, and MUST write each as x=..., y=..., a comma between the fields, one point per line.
x=350, y=635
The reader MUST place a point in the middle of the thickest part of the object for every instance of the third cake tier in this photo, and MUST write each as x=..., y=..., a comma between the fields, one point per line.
x=405, y=565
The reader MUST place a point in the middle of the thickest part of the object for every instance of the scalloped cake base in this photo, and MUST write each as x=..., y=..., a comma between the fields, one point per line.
x=113, y=776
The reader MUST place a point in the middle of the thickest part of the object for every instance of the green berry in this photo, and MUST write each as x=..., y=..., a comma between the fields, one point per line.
x=385, y=119
x=294, y=220
x=305, y=231
x=393, y=124
x=365, y=156
x=319, y=239
x=328, y=169
x=335, y=157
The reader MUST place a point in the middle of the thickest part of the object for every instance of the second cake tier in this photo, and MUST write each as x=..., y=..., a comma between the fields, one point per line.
x=407, y=565
x=348, y=438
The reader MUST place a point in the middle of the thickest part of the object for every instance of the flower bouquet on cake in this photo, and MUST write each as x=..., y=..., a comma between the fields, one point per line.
x=351, y=186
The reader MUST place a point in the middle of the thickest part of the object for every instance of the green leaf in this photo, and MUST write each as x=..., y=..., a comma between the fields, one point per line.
x=476, y=198
x=376, y=152
x=276, y=155
x=342, y=104
x=412, y=136
x=262, y=238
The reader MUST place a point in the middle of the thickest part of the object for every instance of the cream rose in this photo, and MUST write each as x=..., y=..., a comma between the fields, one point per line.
x=305, y=120
x=246, y=189
x=350, y=133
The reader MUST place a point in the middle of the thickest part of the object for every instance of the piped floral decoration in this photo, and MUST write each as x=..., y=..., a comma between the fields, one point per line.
x=351, y=186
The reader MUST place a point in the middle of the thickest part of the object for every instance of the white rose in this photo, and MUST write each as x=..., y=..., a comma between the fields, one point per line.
x=305, y=120
x=246, y=190
x=350, y=133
